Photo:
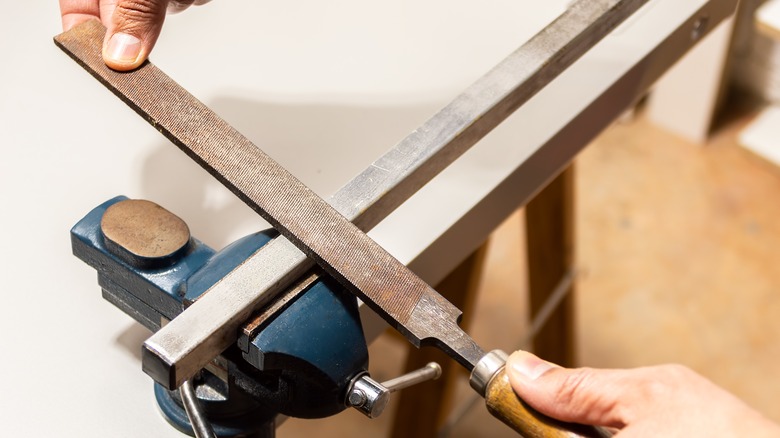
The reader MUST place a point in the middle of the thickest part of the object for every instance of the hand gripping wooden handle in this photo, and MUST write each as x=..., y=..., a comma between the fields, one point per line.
x=505, y=405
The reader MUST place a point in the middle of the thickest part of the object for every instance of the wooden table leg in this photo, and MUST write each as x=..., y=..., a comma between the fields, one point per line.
x=550, y=245
x=550, y=240
x=423, y=408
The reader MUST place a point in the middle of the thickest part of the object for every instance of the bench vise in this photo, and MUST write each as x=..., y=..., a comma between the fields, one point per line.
x=305, y=358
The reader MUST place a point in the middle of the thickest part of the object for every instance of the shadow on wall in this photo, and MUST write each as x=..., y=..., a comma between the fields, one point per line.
x=323, y=145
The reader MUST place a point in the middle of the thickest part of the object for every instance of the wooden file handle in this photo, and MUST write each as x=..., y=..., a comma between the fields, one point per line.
x=505, y=405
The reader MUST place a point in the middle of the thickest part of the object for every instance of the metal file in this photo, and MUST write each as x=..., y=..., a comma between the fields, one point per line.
x=169, y=355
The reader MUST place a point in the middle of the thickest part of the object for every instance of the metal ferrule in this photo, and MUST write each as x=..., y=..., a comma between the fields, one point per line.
x=486, y=369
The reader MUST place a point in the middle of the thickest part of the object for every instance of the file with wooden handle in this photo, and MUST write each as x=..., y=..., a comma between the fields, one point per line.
x=316, y=228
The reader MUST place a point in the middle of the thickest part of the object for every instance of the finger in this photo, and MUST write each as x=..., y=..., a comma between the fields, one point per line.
x=176, y=6
x=133, y=29
x=74, y=12
x=582, y=395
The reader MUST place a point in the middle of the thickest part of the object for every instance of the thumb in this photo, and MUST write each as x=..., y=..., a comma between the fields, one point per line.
x=582, y=395
x=132, y=30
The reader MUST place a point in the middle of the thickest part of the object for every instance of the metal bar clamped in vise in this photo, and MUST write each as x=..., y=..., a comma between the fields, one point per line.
x=285, y=362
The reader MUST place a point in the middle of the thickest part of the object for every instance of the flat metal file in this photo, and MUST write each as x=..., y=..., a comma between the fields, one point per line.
x=210, y=325
x=340, y=247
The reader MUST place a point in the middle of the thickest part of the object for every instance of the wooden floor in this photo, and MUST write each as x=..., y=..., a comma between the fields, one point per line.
x=678, y=253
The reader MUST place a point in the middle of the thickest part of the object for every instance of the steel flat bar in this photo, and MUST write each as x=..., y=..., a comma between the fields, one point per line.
x=374, y=193
x=176, y=351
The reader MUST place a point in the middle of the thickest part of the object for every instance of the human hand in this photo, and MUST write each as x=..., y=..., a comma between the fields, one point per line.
x=132, y=26
x=660, y=401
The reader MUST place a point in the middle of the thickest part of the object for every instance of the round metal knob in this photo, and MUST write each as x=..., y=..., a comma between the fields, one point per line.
x=370, y=397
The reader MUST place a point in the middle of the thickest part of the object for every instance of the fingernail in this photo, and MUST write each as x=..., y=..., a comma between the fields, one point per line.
x=528, y=366
x=123, y=48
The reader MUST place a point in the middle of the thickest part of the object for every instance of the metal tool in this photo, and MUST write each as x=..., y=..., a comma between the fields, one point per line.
x=371, y=397
x=278, y=370
x=288, y=362
x=341, y=248
x=188, y=343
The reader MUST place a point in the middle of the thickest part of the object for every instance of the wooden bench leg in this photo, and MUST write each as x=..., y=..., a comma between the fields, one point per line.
x=550, y=245
x=423, y=408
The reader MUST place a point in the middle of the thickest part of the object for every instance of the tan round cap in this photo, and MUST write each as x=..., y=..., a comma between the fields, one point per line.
x=143, y=231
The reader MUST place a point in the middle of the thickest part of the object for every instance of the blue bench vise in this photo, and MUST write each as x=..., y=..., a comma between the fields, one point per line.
x=301, y=361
